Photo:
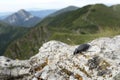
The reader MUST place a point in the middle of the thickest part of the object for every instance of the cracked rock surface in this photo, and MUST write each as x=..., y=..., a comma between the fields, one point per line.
x=56, y=61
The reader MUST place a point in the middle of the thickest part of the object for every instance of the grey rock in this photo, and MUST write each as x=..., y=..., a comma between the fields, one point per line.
x=117, y=77
x=55, y=61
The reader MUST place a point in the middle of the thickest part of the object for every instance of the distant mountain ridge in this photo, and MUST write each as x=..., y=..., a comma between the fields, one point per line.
x=72, y=27
x=42, y=13
x=69, y=8
x=22, y=18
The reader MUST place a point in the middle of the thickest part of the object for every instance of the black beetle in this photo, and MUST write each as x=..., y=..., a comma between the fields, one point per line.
x=81, y=48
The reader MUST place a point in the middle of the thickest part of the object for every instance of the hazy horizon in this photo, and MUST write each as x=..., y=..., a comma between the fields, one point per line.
x=15, y=5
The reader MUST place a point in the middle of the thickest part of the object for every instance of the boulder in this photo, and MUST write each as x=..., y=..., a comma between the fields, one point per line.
x=56, y=61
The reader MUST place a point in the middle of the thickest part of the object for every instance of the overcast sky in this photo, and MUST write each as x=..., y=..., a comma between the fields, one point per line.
x=14, y=5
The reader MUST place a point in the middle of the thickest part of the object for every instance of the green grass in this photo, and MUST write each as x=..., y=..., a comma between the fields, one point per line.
x=73, y=27
x=8, y=34
x=74, y=39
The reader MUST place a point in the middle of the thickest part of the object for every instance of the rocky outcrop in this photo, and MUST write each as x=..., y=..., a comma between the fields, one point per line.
x=56, y=61
x=14, y=69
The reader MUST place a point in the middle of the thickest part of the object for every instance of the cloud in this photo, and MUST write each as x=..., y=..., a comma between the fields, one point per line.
x=14, y=5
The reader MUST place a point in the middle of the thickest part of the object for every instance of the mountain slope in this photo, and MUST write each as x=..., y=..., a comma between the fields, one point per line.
x=22, y=18
x=116, y=8
x=92, y=14
x=72, y=27
x=67, y=9
x=8, y=34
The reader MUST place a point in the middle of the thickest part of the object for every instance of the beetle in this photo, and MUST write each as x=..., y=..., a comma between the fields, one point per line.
x=81, y=48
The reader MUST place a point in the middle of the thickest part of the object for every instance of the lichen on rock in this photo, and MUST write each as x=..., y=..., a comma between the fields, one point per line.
x=55, y=61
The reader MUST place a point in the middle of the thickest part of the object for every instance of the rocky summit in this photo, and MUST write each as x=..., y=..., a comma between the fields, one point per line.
x=56, y=61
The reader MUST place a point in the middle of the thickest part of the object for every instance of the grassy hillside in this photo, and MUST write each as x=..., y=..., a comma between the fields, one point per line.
x=8, y=34
x=73, y=27
x=116, y=8
x=67, y=9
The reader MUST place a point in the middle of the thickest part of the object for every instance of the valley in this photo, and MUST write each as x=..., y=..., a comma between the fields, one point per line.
x=8, y=34
x=74, y=26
